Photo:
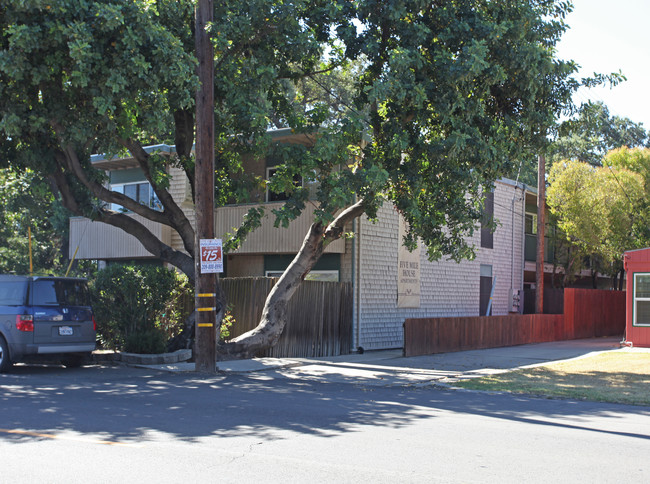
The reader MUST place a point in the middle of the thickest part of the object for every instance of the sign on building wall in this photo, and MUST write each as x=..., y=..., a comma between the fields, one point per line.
x=211, y=256
x=408, y=272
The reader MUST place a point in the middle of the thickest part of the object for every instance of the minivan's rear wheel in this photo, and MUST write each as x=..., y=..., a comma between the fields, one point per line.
x=5, y=360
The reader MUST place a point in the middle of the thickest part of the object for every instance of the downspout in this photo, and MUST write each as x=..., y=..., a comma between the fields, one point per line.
x=512, y=250
x=357, y=276
x=523, y=250
x=512, y=244
x=354, y=284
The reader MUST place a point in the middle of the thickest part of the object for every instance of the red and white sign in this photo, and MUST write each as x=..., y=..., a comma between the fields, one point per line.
x=211, y=256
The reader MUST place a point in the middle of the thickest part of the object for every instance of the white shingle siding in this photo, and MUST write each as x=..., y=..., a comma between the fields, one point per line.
x=447, y=288
x=179, y=188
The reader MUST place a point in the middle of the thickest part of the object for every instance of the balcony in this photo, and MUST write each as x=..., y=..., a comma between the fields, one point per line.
x=268, y=239
x=100, y=241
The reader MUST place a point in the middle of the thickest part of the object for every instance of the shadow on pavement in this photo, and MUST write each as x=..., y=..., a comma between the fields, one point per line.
x=127, y=405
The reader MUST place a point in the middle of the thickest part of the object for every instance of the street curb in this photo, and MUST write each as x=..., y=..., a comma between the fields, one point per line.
x=142, y=359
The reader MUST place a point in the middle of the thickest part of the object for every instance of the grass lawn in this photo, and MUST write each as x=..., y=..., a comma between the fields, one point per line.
x=616, y=376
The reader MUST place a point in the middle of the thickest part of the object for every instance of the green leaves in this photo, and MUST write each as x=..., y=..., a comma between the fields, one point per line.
x=403, y=101
x=593, y=132
x=456, y=91
x=26, y=203
x=601, y=210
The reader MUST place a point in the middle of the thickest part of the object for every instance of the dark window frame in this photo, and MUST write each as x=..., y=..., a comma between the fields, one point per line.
x=487, y=235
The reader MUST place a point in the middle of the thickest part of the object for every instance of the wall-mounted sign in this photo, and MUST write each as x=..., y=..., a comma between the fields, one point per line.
x=211, y=256
x=408, y=272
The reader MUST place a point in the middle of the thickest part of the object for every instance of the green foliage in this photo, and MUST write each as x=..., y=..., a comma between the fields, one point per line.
x=138, y=308
x=633, y=159
x=601, y=210
x=27, y=203
x=455, y=94
x=405, y=101
x=147, y=341
x=593, y=132
x=226, y=323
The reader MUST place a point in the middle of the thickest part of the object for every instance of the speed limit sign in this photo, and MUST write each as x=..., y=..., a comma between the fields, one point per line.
x=211, y=256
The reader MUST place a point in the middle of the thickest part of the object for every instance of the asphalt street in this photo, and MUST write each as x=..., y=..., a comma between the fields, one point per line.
x=119, y=424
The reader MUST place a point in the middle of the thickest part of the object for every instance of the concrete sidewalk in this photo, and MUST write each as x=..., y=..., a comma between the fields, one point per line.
x=390, y=368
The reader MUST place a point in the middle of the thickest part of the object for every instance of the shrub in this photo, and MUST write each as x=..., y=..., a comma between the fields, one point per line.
x=226, y=323
x=149, y=341
x=137, y=308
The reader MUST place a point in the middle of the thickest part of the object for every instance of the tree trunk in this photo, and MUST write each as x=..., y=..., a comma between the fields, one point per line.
x=274, y=315
x=621, y=278
x=593, y=279
x=68, y=161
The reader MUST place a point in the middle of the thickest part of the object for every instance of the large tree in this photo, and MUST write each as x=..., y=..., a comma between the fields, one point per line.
x=447, y=95
x=27, y=206
x=592, y=132
x=602, y=211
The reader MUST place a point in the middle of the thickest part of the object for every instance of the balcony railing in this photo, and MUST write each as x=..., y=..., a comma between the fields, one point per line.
x=268, y=239
x=97, y=240
x=100, y=241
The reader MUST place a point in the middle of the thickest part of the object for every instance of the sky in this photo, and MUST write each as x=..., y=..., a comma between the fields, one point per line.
x=605, y=36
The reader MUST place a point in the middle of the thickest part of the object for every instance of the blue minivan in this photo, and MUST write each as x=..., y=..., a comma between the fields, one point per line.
x=45, y=318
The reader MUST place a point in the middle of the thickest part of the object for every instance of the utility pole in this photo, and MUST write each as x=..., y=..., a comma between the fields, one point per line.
x=541, y=205
x=205, y=284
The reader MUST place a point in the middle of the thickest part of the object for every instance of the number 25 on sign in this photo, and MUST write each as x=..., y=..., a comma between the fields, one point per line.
x=211, y=256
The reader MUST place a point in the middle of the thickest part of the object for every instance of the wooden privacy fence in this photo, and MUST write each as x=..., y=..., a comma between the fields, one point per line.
x=553, y=301
x=424, y=336
x=587, y=314
x=319, y=315
x=591, y=313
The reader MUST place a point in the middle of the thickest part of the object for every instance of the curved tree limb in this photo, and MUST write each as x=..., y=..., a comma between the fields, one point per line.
x=274, y=314
x=70, y=160
x=171, y=216
x=177, y=218
x=153, y=244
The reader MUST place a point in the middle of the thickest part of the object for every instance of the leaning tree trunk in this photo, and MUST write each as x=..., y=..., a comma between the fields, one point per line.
x=274, y=315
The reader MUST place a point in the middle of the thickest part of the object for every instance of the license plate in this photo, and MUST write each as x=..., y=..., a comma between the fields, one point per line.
x=65, y=331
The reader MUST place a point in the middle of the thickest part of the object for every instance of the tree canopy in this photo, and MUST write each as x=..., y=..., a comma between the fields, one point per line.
x=446, y=96
x=27, y=204
x=593, y=132
x=603, y=210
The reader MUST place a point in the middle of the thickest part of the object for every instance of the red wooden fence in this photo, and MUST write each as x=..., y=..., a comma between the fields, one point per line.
x=587, y=314
x=591, y=313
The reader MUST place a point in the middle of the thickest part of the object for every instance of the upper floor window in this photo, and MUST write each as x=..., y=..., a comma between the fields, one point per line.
x=141, y=192
x=487, y=236
x=531, y=223
x=278, y=197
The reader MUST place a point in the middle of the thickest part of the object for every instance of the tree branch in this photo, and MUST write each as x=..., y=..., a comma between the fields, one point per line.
x=177, y=218
x=71, y=161
x=150, y=241
x=274, y=314
x=130, y=225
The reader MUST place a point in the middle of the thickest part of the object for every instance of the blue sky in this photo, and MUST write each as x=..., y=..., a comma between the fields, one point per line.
x=608, y=35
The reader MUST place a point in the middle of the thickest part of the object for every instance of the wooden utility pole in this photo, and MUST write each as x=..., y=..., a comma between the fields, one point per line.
x=205, y=284
x=541, y=205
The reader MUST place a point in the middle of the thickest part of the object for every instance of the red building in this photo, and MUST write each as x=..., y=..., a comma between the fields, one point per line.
x=637, y=304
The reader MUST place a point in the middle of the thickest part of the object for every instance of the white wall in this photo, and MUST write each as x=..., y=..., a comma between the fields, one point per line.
x=447, y=288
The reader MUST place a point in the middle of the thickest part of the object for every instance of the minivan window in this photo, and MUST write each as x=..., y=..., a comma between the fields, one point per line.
x=12, y=293
x=49, y=292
